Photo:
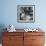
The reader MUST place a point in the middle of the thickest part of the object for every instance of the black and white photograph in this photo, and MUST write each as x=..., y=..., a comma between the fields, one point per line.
x=26, y=13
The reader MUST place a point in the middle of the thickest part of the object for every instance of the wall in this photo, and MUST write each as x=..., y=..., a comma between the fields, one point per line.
x=9, y=13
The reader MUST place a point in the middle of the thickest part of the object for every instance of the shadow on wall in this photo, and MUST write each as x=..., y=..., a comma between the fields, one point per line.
x=2, y=26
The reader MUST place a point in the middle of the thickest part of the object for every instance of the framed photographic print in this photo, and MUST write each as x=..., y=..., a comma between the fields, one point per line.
x=26, y=13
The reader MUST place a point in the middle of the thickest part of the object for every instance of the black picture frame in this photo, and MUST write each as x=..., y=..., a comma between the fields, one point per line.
x=25, y=13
